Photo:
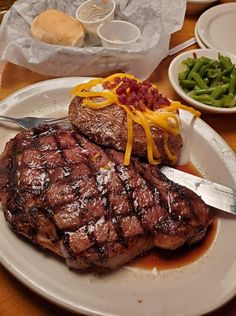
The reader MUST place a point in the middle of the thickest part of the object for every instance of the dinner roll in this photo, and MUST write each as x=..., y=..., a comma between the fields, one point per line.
x=55, y=27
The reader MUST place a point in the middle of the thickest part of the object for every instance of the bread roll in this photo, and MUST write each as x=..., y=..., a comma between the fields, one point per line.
x=55, y=27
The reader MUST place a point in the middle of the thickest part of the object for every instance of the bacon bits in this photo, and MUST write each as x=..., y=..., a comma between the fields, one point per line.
x=138, y=95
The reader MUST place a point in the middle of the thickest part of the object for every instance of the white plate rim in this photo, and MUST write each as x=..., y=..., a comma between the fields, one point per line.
x=19, y=274
x=199, y=42
x=206, y=17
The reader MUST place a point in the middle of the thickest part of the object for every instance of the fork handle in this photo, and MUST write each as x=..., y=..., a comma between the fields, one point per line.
x=8, y=119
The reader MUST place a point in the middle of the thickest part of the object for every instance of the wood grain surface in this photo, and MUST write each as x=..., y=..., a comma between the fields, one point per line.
x=15, y=298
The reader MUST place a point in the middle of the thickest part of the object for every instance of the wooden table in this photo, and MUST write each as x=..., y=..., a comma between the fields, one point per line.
x=15, y=298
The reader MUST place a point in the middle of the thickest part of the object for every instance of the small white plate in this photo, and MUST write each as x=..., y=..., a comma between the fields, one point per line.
x=128, y=291
x=176, y=67
x=199, y=42
x=216, y=27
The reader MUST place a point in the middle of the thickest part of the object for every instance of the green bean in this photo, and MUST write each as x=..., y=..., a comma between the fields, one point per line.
x=213, y=64
x=206, y=80
x=186, y=90
x=228, y=101
x=206, y=60
x=196, y=67
x=227, y=71
x=212, y=73
x=215, y=81
x=192, y=93
x=224, y=62
x=196, y=88
x=219, y=91
x=216, y=103
x=232, y=84
x=187, y=83
x=203, y=70
x=189, y=62
x=197, y=78
x=225, y=79
x=233, y=72
x=204, y=98
x=205, y=91
x=182, y=75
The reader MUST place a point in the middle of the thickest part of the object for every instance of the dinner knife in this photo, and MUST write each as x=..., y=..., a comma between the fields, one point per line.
x=213, y=194
x=182, y=46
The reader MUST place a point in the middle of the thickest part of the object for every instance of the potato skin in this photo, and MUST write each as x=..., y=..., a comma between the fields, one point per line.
x=108, y=127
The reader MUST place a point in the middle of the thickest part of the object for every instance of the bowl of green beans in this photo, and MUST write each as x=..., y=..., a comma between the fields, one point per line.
x=206, y=79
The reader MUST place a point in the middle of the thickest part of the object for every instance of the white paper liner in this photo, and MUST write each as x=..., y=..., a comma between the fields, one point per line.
x=157, y=19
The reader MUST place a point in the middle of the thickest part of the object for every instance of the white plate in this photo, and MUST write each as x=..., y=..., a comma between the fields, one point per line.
x=199, y=42
x=176, y=67
x=216, y=27
x=128, y=291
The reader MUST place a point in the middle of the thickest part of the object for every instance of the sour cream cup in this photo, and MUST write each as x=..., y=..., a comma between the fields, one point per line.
x=118, y=33
x=91, y=14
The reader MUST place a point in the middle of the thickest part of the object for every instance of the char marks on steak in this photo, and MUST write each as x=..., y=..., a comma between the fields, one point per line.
x=108, y=127
x=78, y=200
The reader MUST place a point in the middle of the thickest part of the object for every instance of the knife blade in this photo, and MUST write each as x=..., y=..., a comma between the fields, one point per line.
x=212, y=193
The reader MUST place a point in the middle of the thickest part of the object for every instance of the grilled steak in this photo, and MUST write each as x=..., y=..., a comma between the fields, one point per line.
x=78, y=200
x=108, y=127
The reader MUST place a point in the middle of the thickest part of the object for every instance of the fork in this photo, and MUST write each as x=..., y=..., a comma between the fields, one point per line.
x=30, y=121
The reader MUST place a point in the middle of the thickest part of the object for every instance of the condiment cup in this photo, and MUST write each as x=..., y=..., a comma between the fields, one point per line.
x=91, y=15
x=118, y=33
x=176, y=67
